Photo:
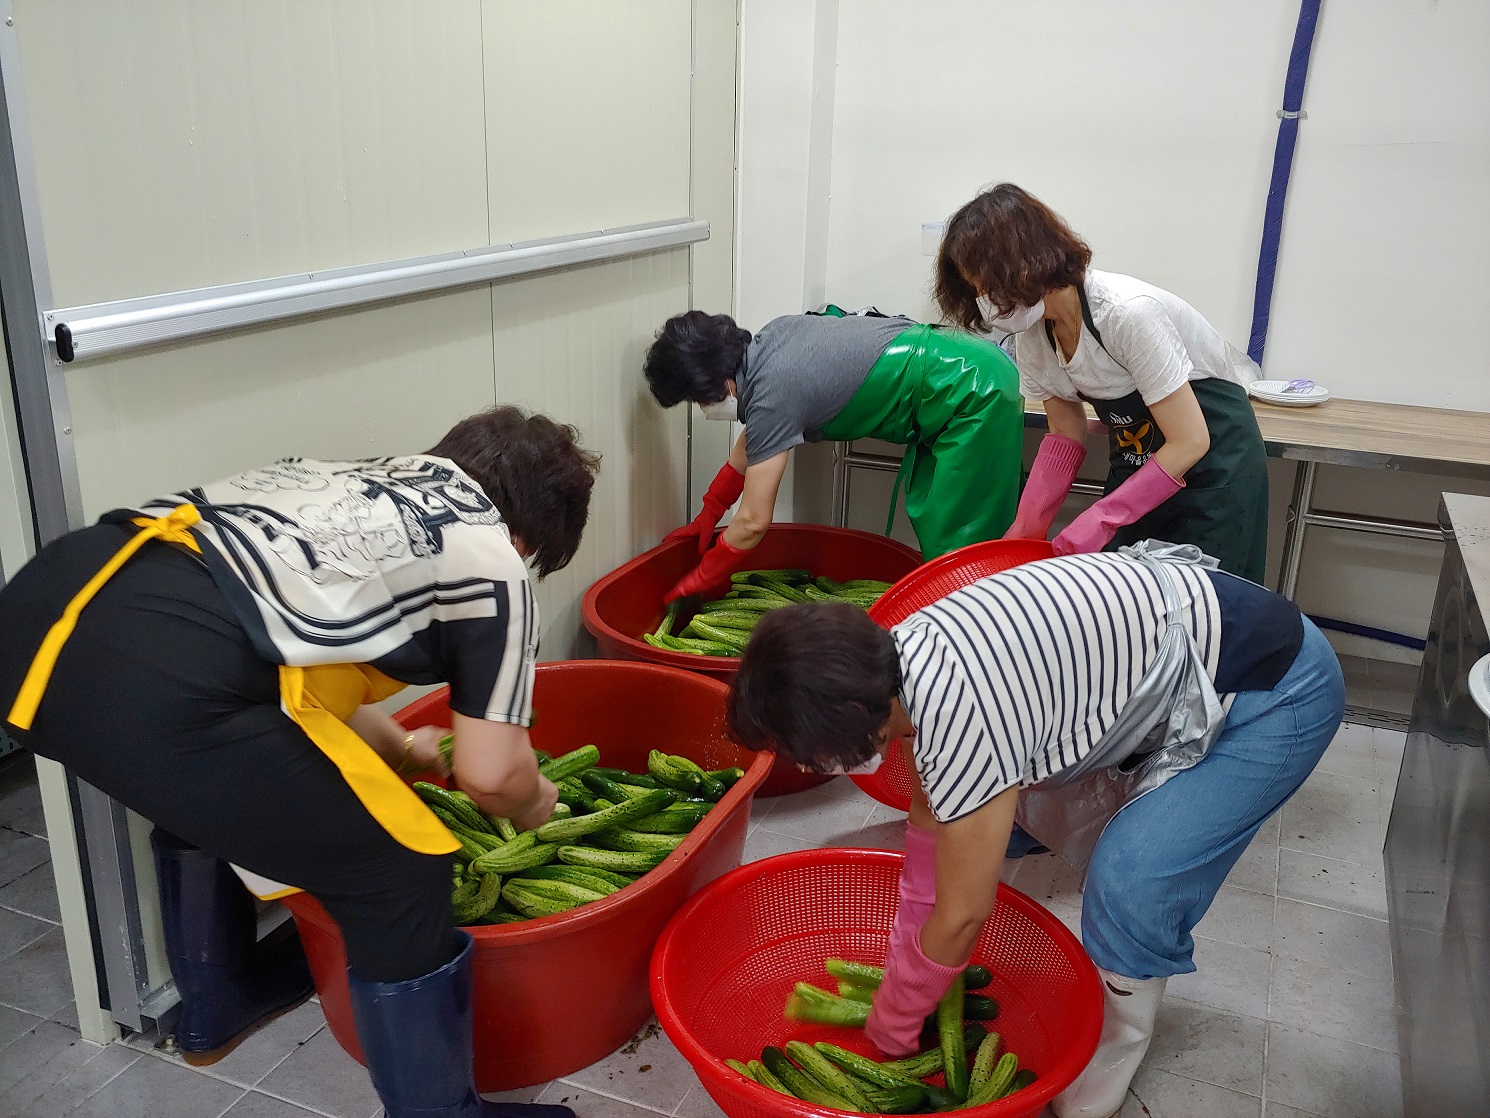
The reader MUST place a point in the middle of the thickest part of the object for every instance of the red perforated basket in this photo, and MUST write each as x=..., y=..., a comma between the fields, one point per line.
x=555, y=995
x=727, y=961
x=891, y=783
x=626, y=603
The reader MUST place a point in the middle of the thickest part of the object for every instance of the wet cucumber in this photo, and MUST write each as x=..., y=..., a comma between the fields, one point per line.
x=617, y=861
x=567, y=830
x=523, y=852
x=570, y=764
x=619, y=838
x=675, y=819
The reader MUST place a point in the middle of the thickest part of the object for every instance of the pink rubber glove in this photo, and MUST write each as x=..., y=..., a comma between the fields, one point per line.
x=723, y=491
x=1141, y=494
x=913, y=983
x=1051, y=475
x=710, y=579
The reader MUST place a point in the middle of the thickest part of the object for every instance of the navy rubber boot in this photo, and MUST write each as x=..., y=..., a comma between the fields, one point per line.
x=416, y=1039
x=228, y=983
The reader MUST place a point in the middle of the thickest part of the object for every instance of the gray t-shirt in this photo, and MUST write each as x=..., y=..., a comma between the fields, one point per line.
x=800, y=371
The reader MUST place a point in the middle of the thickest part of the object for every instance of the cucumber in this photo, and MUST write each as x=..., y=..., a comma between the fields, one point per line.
x=621, y=776
x=684, y=775
x=567, y=830
x=503, y=918
x=780, y=574
x=488, y=889
x=818, y=1007
x=781, y=590
x=860, y=974
x=741, y=1069
x=506, y=829
x=728, y=777
x=1023, y=1078
x=619, y=838
x=954, y=1051
x=523, y=852
x=872, y=584
x=856, y=993
x=766, y=1078
x=570, y=764
x=998, y=1083
x=615, y=860
x=939, y=1098
x=473, y=812
x=810, y=1060
x=982, y=1068
x=460, y=807
x=897, y=1100
x=574, y=875
x=875, y=1074
x=675, y=819
x=923, y=1066
x=603, y=787
x=577, y=797
x=737, y=605
x=976, y=977
x=534, y=902
x=799, y=1082
x=979, y=1007
x=731, y=638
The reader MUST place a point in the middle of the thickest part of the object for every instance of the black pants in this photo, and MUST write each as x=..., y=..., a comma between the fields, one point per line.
x=159, y=700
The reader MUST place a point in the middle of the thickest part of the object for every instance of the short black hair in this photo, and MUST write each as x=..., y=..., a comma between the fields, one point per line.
x=694, y=354
x=815, y=685
x=536, y=473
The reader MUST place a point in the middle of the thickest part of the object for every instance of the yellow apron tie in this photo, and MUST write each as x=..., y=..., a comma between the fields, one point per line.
x=319, y=699
x=174, y=528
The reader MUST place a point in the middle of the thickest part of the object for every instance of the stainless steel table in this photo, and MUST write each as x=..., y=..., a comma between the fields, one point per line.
x=1437, y=852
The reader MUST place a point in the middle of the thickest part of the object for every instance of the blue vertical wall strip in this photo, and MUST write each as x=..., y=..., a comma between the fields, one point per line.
x=1288, y=133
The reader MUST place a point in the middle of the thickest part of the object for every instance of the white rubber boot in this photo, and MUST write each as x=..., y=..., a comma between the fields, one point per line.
x=1129, y=1008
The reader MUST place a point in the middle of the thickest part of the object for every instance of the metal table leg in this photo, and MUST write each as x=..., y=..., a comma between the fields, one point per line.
x=1299, y=508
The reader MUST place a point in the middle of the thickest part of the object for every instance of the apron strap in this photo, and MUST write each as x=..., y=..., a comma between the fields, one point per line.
x=902, y=476
x=173, y=528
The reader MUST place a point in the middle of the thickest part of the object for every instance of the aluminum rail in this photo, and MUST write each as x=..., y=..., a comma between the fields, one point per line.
x=100, y=329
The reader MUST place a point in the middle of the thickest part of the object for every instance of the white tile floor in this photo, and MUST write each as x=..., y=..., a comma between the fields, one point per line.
x=1289, y=1016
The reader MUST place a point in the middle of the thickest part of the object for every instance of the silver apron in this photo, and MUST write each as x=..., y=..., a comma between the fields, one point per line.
x=1172, y=717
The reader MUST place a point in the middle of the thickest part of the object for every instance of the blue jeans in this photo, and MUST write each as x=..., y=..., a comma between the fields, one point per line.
x=1160, y=861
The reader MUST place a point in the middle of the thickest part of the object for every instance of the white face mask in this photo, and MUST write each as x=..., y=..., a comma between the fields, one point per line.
x=727, y=409
x=862, y=769
x=1016, y=321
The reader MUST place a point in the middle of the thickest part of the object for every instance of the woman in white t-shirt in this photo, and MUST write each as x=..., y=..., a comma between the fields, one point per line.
x=1187, y=462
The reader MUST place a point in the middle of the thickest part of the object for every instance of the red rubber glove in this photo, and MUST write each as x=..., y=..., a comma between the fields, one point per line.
x=710, y=579
x=913, y=983
x=723, y=491
x=1051, y=475
x=1141, y=494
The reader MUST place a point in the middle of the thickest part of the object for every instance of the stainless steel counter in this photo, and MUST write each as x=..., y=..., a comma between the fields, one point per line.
x=1438, y=844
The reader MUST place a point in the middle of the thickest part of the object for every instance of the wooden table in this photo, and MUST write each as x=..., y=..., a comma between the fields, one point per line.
x=1361, y=434
x=1356, y=433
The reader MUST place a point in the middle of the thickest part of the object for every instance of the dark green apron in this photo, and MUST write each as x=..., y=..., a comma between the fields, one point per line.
x=953, y=401
x=1223, y=509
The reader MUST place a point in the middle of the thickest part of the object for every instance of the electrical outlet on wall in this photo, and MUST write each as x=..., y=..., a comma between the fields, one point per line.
x=931, y=236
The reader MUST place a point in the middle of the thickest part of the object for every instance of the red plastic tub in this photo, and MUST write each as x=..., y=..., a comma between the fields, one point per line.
x=722, y=971
x=626, y=603
x=891, y=783
x=555, y=995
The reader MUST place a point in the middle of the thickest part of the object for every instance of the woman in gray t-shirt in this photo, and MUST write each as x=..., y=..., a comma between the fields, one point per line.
x=950, y=398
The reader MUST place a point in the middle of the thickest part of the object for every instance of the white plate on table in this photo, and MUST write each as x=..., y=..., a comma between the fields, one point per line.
x=1271, y=391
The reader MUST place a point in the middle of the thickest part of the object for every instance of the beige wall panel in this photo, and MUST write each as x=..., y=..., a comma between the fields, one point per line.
x=588, y=114
x=181, y=143
x=15, y=504
x=570, y=344
x=716, y=33
x=386, y=380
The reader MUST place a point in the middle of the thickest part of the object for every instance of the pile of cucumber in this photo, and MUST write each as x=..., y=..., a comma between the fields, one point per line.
x=721, y=627
x=827, y=1075
x=610, y=827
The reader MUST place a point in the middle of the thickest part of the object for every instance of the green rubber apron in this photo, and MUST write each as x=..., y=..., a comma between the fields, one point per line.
x=953, y=401
x=1223, y=509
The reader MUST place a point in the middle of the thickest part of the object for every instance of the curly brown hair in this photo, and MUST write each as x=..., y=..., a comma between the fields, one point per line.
x=534, y=471
x=1010, y=246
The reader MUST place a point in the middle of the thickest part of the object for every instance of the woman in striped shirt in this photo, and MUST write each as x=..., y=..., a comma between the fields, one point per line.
x=1194, y=701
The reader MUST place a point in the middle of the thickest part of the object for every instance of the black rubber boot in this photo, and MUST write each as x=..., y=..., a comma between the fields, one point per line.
x=416, y=1038
x=228, y=983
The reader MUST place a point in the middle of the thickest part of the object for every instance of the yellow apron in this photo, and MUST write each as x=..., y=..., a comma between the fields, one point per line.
x=319, y=699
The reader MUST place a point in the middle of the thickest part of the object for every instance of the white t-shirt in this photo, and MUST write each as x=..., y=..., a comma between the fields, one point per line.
x=1152, y=342
x=401, y=563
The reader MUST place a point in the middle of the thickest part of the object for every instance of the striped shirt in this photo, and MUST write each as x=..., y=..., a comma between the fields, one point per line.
x=401, y=563
x=1018, y=676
